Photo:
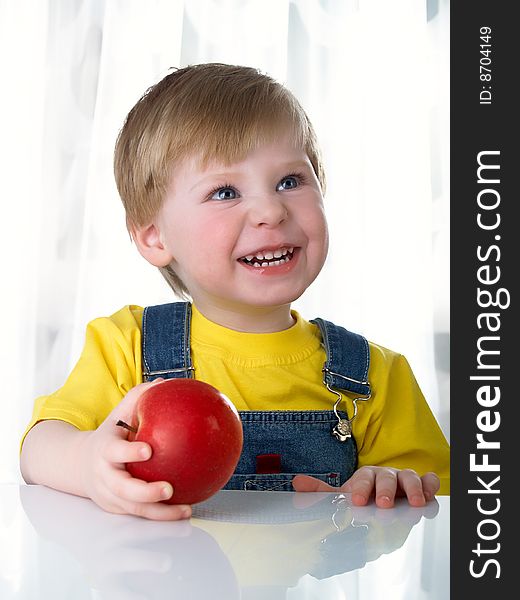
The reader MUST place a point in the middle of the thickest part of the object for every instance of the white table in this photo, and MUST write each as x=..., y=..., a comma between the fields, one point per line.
x=238, y=546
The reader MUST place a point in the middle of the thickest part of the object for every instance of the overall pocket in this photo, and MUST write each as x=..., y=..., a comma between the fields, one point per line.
x=275, y=482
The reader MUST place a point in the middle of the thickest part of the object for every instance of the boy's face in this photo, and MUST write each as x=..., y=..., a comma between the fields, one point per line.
x=246, y=236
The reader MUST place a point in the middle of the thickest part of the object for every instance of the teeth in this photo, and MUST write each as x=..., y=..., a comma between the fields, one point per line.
x=269, y=255
x=260, y=259
x=274, y=263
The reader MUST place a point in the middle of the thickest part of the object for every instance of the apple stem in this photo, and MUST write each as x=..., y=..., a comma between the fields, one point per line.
x=126, y=426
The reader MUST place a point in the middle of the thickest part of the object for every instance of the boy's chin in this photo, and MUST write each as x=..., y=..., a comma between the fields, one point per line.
x=266, y=296
x=274, y=301
x=260, y=301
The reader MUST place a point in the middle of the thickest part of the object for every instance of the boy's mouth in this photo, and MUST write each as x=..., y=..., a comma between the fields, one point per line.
x=269, y=258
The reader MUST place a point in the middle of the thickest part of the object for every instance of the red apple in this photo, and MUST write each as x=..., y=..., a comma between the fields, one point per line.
x=196, y=437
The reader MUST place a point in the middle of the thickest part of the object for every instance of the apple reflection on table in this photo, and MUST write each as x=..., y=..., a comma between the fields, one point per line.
x=237, y=545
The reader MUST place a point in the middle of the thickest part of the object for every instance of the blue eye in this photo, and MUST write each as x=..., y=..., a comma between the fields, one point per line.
x=224, y=193
x=288, y=183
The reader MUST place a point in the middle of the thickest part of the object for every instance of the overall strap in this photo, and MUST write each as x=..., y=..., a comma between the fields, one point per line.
x=166, y=341
x=166, y=349
x=348, y=358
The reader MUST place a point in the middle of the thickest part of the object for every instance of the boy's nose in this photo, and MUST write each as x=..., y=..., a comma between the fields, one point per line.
x=268, y=211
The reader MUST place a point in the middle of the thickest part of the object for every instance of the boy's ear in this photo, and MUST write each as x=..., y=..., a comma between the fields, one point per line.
x=149, y=243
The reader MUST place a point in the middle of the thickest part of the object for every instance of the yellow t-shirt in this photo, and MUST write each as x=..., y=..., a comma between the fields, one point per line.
x=259, y=371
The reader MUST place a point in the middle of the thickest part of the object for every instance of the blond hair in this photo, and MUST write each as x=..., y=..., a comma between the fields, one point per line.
x=220, y=112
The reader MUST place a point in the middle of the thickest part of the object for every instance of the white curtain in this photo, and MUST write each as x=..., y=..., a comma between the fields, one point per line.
x=373, y=76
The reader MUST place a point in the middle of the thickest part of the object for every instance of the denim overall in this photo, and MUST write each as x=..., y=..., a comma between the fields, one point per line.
x=277, y=444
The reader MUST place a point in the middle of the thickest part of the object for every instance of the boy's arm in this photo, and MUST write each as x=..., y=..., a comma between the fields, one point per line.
x=50, y=455
x=92, y=464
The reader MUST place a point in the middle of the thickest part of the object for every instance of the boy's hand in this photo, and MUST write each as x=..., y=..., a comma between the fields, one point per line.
x=385, y=483
x=105, y=479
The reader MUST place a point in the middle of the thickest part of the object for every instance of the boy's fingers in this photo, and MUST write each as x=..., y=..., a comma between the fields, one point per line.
x=158, y=511
x=306, y=483
x=124, y=410
x=361, y=485
x=412, y=486
x=135, y=490
x=123, y=451
x=385, y=487
x=431, y=485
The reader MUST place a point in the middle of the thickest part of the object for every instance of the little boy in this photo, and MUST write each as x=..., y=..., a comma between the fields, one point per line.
x=220, y=174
